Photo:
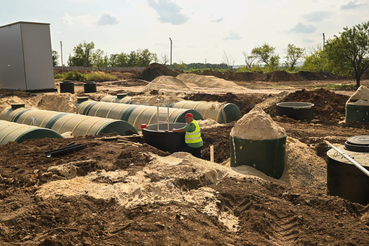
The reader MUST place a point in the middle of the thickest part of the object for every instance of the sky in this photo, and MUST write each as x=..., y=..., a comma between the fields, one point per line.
x=204, y=31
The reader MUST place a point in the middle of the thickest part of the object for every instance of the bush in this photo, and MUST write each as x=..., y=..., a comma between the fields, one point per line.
x=58, y=76
x=75, y=76
x=98, y=76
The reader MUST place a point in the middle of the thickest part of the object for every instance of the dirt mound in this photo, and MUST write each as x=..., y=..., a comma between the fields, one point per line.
x=166, y=83
x=329, y=106
x=194, y=80
x=155, y=70
x=275, y=76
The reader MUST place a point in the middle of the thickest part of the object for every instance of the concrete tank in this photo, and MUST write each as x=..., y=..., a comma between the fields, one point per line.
x=344, y=179
x=296, y=110
x=10, y=131
x=135, y=114
x=79, y=125
x=163, y=138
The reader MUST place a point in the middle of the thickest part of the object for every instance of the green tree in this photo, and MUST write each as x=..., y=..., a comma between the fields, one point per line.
x=249, y=60
x=314, y=61
x=82, y=55
x=266, y=55
x=293, y=55
x=55, y=57
x=350, y=50
x=145, y=57
x=118, y=60
x=99, y=59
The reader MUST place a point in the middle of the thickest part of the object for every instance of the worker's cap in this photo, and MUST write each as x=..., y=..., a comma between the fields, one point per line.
x=189, y=115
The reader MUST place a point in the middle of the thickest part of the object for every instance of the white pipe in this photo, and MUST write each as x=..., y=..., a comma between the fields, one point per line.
x=168, y=113
x=350, y=159
x=157, y=114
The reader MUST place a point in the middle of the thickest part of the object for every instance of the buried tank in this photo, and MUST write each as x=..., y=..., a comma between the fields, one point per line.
x=257, y=141
x=357, y=106
x=14, y=132
x=119, y=98
x=79, y=125
x=344, y=178
x=162, y=137
x=134, y=114
x=296, y=110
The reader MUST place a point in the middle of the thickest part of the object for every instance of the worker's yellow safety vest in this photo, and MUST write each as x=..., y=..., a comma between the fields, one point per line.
x=195, y=136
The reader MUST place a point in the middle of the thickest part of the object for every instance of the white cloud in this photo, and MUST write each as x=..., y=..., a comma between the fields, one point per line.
x=67, y=19
x=217, y=20
x=107, y=19
x=168, y=12
x=317, y=16
x=300, y=27
x=352, y=5
x=87, y=20
x=232, y=36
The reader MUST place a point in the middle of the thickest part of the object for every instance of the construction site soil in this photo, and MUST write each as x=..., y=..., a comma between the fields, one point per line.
x=130, y=193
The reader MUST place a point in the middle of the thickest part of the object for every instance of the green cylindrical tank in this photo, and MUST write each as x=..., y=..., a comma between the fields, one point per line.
x=10, y=131
x=135, y=114
x=220, y=112
x=119, y=98
x=357, y=106
x=355, y=112
x=267, y=156
x=79, y=125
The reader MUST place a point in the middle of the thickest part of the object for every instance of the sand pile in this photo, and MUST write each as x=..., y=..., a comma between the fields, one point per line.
x=193, y=80
x=360, y=97
x=257, y=125
x=208, y=123
x=174, y=177
x=166, y=83
x=61, y=102
x=153, y=100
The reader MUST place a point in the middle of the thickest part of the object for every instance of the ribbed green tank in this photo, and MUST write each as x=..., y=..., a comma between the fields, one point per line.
x=10, y=131
x=79, y=125
x=135, y=114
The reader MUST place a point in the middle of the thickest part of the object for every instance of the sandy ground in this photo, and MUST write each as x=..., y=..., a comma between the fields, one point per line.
x=129, y=193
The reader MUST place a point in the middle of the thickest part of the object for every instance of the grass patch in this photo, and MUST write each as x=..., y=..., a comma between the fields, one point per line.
x=100, y=77
x=344, y=87
x=82, y=77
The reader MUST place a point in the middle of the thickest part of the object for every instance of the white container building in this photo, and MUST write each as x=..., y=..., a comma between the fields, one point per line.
x=26, y=57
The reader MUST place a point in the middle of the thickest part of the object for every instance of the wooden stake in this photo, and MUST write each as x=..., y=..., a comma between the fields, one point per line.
x=212, y=153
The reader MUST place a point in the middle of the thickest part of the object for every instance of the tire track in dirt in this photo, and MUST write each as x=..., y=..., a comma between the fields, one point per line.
x=286, y=231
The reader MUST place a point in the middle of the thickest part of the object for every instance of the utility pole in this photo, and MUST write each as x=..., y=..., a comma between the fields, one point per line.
x=61, y=54
x=323, y=50
x=170, y=51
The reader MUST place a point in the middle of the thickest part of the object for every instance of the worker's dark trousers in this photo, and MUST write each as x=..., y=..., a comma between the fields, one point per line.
x=194, y=151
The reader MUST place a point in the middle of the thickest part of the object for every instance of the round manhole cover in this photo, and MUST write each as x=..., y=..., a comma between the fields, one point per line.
x=358, y=143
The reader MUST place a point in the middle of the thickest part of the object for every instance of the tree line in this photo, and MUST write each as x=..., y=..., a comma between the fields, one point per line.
x=85, y=55
x=346, y=54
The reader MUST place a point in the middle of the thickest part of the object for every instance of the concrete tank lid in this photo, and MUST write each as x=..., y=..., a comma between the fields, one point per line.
x=360, y=157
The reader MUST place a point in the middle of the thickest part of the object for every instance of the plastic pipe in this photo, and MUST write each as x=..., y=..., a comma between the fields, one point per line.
x=168, y=114
x=350, y=159
x=157, y=114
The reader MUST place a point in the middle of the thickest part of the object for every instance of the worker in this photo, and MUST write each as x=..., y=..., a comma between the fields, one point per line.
x=193, y=136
